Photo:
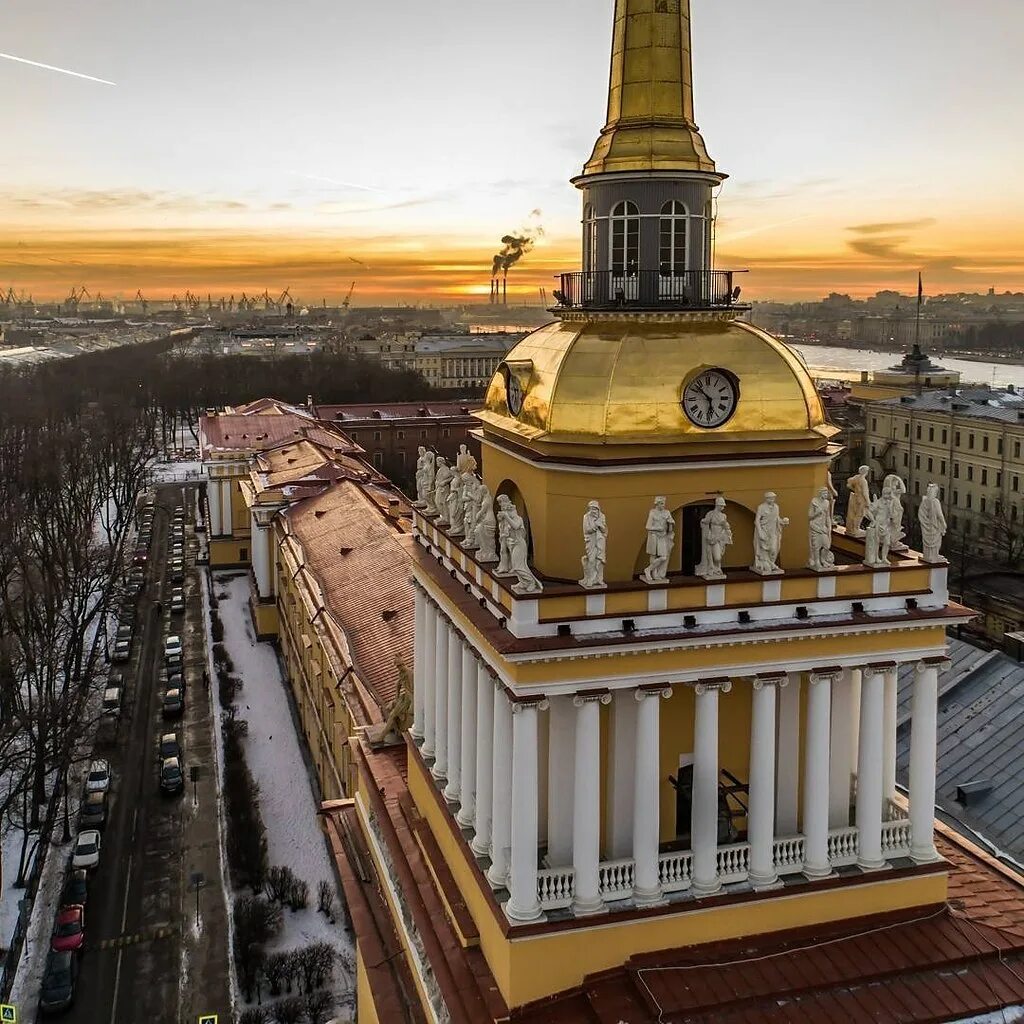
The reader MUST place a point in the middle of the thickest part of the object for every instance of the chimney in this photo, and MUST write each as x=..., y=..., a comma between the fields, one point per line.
x=309, y=402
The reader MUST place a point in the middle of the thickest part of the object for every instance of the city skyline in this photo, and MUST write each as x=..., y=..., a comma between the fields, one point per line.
x=236, y=154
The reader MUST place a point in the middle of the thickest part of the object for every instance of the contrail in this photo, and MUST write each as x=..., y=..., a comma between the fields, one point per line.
x=343, y=184
x=50, y=67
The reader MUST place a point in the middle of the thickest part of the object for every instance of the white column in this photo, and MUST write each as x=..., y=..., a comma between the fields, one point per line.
x=889, y=738
x=923, y=741
x=856, y=681
x=761, y=816
x=647, y=795
x=586, y=806
x=869, y=775
x=225, y=513
x=816, y=776
x=501, y=799
x=841, y=753
x=621, y=784
x=259, y=536
x=440, y=769
x=523, y=904
x=467, y=801
x=787, y=790
x=429, y=675
x=704, y=819
x=484, y=760
x=561, y=758
x=213, y=501
x=419, y=669
x=453, y=791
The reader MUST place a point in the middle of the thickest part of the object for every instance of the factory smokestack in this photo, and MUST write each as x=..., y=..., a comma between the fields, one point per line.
x=513, y=248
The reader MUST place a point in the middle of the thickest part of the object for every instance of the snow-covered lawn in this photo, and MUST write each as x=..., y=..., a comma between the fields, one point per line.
x=274, y=754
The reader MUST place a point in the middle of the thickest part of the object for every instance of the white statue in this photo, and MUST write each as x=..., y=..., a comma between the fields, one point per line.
x=878, y=535
x=595, y=547
x=819, y=527
x=716, y=536
x=486, y=525
x=768, y=526
x=860, y=501
x=470, y=509
x=893, y=489
x=933, y=524
x=442, y=484
x=464, y=461
x=513, y=532
x=661, y=535
x=424, y=477
x=832, y=495
x=454, y=516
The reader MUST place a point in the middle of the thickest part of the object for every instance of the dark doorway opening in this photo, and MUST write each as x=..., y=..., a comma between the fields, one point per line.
x=691, y=546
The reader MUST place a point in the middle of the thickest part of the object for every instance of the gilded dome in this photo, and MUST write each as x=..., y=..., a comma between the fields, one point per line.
x=620, y=382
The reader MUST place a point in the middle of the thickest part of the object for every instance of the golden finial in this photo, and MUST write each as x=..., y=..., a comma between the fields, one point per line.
x=650, y=97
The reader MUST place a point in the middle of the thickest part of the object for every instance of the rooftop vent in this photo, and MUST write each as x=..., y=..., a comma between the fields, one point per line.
x=972, y=792
x=394, y=502
x=345, y=551
x=911, y=604
x=319, y=513
x=388, y=614
x=744, y=618
x=858, y=607
x=564, y=629
x=960, y=406
x=907, y=399
x=629, y=625
x=803, y=612
x=689, y=621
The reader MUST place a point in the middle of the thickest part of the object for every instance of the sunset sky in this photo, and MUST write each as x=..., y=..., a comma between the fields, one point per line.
x=248, y=145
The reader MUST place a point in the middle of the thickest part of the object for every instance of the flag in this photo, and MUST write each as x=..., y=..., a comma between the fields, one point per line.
x=920, y=288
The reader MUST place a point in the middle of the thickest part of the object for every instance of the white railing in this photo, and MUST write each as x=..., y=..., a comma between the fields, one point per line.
x=555, y=887
x=896, y=838
x=788, y=855
x=733, y=862
x=674, y=870
x=615, y=878
x=843, y=846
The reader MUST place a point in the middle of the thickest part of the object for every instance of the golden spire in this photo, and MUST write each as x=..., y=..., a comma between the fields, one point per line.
x=650, y=97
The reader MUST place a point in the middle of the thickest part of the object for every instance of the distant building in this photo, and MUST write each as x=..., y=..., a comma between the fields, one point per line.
x=916, y=371
x=968, y=441
x=461, y=361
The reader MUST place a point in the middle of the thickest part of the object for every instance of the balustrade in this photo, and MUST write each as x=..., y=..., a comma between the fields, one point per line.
x=616, y=879
x=674, y=871
x=555, y=888
x=842, y=847
x=896, y=838
x=788, y=852
x=733, y=862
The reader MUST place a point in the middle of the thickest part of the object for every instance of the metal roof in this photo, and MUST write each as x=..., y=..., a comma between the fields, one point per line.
x=980, y=740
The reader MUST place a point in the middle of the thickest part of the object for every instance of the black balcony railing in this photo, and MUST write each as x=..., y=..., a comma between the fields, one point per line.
x=649, y=290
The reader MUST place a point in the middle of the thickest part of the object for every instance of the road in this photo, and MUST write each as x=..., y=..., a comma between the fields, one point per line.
x=145, y=960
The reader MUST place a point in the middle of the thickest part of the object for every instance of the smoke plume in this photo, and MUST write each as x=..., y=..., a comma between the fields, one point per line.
x=515, y=246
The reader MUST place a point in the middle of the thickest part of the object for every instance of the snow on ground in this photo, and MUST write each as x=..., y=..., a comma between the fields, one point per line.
x=274, y=755
x=170, y=472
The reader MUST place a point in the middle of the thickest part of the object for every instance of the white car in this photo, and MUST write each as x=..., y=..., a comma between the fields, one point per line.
x=98, y=780
x=87, y=850
x=172, y=646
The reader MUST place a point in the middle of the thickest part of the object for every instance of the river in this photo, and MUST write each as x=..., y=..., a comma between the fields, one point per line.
x=847, y=362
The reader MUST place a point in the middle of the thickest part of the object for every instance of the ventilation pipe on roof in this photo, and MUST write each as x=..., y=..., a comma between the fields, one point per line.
x=972, y=792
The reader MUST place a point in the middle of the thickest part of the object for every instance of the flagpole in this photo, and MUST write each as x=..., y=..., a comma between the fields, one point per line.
x=920, y=300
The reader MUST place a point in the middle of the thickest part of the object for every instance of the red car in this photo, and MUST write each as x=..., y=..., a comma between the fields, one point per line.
x=69, y=931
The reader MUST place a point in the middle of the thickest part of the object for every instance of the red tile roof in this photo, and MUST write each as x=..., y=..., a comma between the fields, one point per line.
x=242, y=432
x=354, y=543
x=369, y=411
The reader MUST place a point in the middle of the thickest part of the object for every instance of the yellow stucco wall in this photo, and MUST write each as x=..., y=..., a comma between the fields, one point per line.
x=266, y=618
x=366, y=1009
x=230, y=552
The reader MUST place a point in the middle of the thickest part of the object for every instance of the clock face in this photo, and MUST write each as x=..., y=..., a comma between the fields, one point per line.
x=709, y=400
x=514, y=394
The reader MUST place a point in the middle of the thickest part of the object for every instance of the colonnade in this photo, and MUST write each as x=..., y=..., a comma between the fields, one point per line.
x=485, y=744
x=218, y=497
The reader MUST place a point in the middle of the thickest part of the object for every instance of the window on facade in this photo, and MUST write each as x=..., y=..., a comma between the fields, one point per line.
x=589, y=238
x=984, y=442
x=354, y=434
x=873, y=451
x=874, y=424
x=376, y=435
x=423, y=435
x=1016, y=483
x=446, y=432
x=917, y=462
x=999, y=446
x=984, y=476
x=1013, y=512
x=970, y=472
x=970, y=440
x=929, y=465
x=672, y=254
x=970, y=501
x=401, y=435
x=917, y=486
x=952, y=521
x=956, y=439
x=919, y=431
x=999, y=478
x=625, y=227
x=956, y=498
x=956, y=470
x=944, y=436
x=942, y=468
x=905, y=462
x=931, y=433
x=378, y=460
x=906, y=430
x=1016, y=449
x=401, y=457
x=982, y=505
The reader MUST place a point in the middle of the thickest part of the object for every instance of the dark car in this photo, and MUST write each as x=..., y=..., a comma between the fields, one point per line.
x=172, y=779
x=76, y=889
x=94, y=810
x=174, y=704
x=169, y=746
x=58, y=991
x=176, y=680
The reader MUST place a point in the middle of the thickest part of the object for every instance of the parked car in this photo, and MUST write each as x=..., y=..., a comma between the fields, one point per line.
x=69, y=930
x=177, y=601
x=141, y=556
x=174, y=704
x=76, y=889
x=87, y=850
x=172, y=645
x=58, y=989
x=112, y=701
x=172, y=779
x=169, y=746
x=94, y=810
x=122, y=651
x=98, y=780
x=125, y=631
x=178, y=574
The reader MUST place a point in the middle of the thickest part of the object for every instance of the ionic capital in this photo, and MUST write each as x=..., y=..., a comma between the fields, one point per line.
x=939, y=664
x=825, y=675
x=778, y=681
x=598, y=696
x=530, y=704
x=712, y=685
x=664, y=692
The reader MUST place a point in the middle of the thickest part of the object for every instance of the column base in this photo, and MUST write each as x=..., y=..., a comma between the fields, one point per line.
x=439, y=774
x=497, y=878
x=480, y=846
x=925, y=856
x=527, y=915
x=763, y=883
x=427, y=750
x=452, y=793
x=417, y=734
x=873, y=865
x=589, y=908
x=817, y=871
x=649, y=897
x=464, y=819
x=702, y=889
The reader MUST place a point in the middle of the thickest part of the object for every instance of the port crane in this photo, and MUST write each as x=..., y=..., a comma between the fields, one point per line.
x=348, y=298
